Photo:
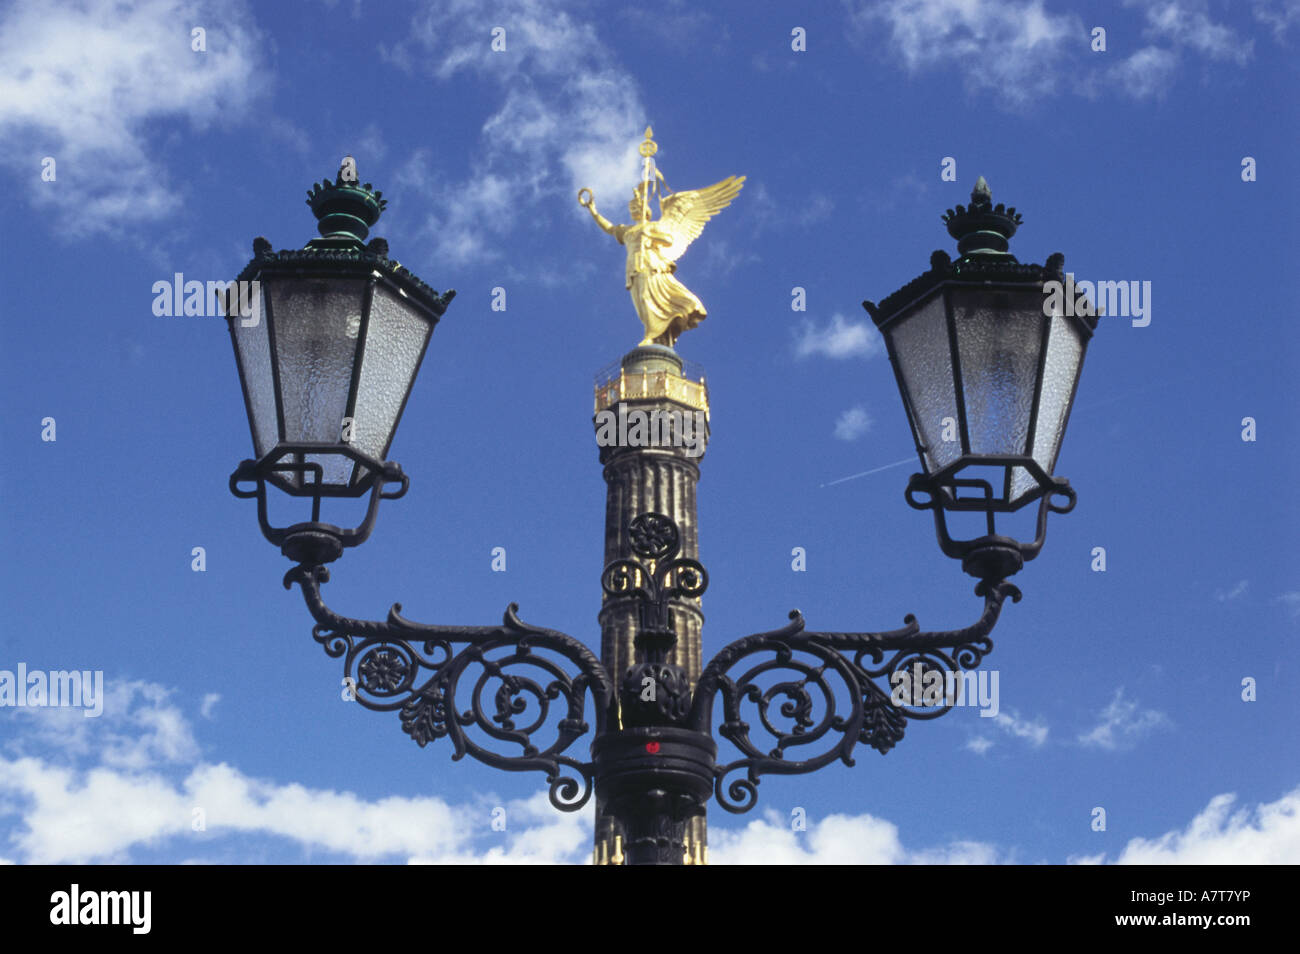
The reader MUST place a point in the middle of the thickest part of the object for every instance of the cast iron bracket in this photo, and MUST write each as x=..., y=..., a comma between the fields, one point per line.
x=515, y=696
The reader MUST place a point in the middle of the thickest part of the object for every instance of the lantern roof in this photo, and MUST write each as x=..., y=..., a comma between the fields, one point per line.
x=345, y=211
x=982, y=230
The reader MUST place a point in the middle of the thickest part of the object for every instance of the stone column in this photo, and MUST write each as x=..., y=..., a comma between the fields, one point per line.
x=652, y=428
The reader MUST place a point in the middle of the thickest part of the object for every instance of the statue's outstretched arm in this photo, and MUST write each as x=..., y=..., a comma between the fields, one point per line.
x=588, y=201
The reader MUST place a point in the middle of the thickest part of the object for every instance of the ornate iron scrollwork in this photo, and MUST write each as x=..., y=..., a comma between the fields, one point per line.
x=655, y=691
x=830, y=701
x=525, y=689
x=506, y=682
x=659, y=576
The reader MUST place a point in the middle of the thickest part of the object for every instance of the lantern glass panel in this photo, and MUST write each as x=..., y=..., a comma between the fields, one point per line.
x=920, y=345
x=1064, y=359
x=395, y=340
x=316, y=326
x=253, y=346
x=999, y=344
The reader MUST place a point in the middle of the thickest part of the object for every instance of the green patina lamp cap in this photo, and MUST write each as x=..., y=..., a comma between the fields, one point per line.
x=982, y=229
x=345, y=209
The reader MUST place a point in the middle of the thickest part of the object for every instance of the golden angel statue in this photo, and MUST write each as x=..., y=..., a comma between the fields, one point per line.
x=665, y=306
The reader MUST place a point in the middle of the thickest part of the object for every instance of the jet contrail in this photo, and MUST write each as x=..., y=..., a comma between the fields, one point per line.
x=874, y=470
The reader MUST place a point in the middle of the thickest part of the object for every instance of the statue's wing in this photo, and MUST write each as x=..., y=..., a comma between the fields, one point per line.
x=684, y=213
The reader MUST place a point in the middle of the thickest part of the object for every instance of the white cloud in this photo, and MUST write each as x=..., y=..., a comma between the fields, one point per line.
x=834, y=840
x=97, y=790
x=138, y=727
x=790, y=212
x=1145, y=74
x=1019, y=51
x=100, y=815
x=1034, y=732
x=1122, y=724
x=210, y=701
x=721, y=258
x=1268, y=834
x=1187, y=23
x=74, y=803
x=1238, y=590
x=81, y=83
x=1278, y=15
x=569, y=116
x=1170, y=27
x=1291, y=599
x=840, y=338
x=1012, y=49
x=853, y=423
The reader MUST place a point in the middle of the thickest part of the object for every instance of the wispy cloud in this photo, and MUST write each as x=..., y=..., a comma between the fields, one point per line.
x=835, y=839
x=1186, y=24
x=1266, y=834
x=85, y=83
x=786, y=212
x=1291, y=600
x=209, y=704
x=1278, y=15
x=567, y=116
x=1033, y=731
x=1171, y=28
x=1019, y=51
x=98, y=790
x=840, y=338
x=76, y=790
x=1015, y=51
x=140, y=726
x=853, y=423
x=1122, y=724
x=1235, y=592
x=1145, y=74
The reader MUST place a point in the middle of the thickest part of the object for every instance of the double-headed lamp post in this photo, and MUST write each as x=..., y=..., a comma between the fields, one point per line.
x=328, y=341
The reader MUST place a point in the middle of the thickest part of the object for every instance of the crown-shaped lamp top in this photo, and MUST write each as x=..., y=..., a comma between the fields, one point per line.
x=982, y=230
x=345, y=209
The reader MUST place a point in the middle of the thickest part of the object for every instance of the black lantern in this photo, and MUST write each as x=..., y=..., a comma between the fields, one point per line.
x=987, y=368
x=328, y=340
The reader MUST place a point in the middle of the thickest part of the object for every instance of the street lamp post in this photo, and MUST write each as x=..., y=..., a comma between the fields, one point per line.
x=327, y=354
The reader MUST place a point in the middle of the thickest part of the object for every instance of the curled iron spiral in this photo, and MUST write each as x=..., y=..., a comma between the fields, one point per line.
x=493, y=691
x=830, y=700
x=657, y=575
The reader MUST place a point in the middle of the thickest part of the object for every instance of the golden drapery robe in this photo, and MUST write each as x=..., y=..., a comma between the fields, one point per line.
x=665, y=306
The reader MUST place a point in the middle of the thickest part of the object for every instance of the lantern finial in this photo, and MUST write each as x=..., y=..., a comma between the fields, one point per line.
x=345, y=209
x=982, y=229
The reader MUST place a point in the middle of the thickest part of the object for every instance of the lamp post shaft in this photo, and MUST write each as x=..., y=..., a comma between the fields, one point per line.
x=657, y=419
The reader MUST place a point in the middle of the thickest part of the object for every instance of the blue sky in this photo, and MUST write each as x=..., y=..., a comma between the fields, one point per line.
x=1119, y=689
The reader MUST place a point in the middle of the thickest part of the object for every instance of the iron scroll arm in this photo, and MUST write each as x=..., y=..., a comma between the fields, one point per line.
x=512, y=684
x=826, y=669
x=417, y=668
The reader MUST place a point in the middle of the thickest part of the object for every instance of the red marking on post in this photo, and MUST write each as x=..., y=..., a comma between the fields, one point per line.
x=652, y=748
